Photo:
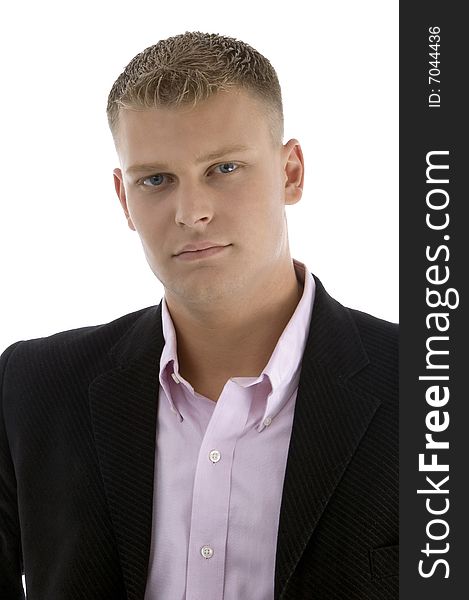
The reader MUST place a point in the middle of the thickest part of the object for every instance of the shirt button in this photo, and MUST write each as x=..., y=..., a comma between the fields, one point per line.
x=267, y=421
x=175, y=377
x=206, y=552
x=214, y=456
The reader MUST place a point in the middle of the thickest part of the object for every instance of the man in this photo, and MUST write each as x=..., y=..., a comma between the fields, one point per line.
x=239, y=439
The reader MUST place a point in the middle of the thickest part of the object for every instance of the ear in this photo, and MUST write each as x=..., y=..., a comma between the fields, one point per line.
x=120, y=190
x=293, y=165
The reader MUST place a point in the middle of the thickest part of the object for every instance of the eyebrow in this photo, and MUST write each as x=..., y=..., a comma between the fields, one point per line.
x=199, y=159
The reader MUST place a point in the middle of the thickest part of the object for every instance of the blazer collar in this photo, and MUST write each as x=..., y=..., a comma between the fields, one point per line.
x=330, y=419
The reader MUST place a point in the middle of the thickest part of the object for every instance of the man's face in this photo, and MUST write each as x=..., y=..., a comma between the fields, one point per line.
x=234, y=198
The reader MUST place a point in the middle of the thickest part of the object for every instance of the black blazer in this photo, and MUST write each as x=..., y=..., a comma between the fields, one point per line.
x=77, y=450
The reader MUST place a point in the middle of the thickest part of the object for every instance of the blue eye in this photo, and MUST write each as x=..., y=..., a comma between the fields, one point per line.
x=152, y=177
x=227, y=164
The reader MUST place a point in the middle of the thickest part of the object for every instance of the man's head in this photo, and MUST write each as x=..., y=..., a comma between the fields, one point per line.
x=186, y=69
x=174, y=107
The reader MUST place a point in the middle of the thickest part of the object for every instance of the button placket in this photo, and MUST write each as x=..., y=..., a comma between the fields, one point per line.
x=211, y=492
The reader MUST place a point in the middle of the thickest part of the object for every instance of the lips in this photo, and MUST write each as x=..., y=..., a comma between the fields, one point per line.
x=195, y=255
x=199, y=246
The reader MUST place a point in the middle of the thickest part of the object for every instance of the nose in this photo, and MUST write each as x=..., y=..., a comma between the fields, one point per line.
x=193, y=206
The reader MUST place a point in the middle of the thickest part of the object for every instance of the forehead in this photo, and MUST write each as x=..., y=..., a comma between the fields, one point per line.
x=181, y=134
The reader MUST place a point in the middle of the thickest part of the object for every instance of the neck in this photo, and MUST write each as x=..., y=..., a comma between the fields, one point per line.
x=237, y=338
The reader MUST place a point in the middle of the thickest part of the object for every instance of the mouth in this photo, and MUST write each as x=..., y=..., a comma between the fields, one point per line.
x=201, y=254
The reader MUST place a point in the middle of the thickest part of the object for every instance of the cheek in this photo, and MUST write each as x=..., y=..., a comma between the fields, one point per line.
x=151, y=228
x=262, y=223
x=146, y=216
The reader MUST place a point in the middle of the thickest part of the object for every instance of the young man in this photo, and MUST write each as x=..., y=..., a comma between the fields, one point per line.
x=239, y=439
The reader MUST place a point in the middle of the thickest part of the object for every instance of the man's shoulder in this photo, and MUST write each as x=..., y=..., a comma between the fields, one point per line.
x=80, y=343
x=373, y=327
x=335, y=321
x=368, y=325
x=380, y=340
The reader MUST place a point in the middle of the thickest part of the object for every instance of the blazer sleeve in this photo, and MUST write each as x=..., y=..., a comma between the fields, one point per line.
x=11, y=561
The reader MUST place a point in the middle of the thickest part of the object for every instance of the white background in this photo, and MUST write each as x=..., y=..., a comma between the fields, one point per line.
x=68, y=258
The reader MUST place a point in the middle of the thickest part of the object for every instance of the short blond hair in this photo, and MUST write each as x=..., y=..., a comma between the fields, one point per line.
x=189, y=68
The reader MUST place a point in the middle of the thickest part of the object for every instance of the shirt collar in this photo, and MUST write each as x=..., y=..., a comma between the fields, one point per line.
x=284, y=366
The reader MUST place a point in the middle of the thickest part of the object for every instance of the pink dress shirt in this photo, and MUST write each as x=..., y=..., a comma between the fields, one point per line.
x=219, y=472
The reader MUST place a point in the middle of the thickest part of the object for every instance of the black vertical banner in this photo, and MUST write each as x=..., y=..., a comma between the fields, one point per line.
x=434, y=267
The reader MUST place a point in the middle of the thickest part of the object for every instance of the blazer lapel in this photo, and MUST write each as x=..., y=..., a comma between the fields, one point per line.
x=123, y=405
x=330, y=419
